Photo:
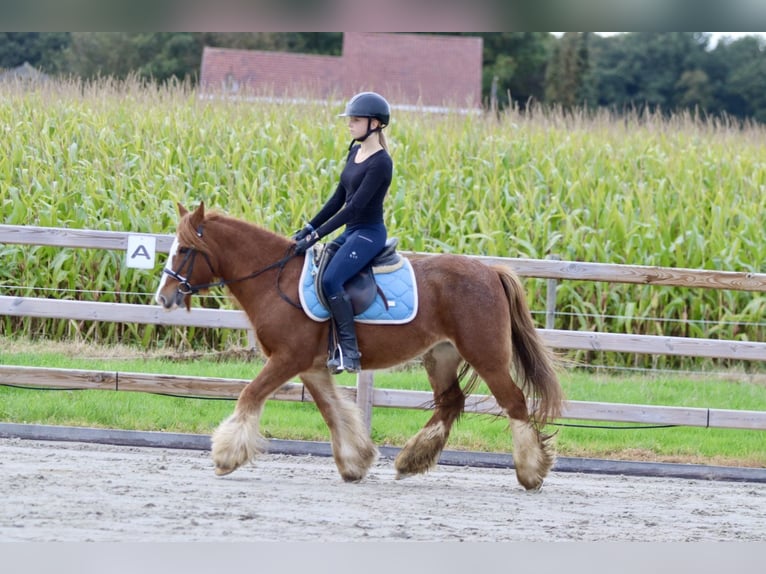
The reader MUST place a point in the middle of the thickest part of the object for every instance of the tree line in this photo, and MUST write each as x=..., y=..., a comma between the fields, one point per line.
x=664, y=72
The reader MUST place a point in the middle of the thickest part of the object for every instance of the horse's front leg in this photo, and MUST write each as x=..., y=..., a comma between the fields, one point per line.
x=352, y=448
x=237, y=439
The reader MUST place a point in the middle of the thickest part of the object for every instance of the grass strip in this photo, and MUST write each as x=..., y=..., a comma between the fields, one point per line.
x=390, y=426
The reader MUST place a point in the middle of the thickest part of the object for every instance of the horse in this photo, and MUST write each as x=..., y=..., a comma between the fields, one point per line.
x=471, y=316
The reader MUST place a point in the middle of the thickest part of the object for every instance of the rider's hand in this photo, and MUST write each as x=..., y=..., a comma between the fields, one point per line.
x=306, y=231
x=302, y=245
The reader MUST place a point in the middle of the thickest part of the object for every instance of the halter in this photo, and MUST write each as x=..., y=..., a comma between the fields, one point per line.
x=190, y=254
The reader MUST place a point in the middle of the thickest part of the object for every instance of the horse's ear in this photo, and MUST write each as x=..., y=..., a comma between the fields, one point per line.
x=181, y=209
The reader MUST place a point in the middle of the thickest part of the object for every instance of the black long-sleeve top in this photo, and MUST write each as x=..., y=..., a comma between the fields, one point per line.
x=358, y=199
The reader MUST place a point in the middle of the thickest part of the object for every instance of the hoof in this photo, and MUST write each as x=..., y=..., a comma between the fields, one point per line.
x=224, y=471
x=421, y=453
x=537, y=487
x=356, y=473
x=352, y=478
x=532, y=482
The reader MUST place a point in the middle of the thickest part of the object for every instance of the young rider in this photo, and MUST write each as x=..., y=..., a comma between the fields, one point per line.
x=356, y=203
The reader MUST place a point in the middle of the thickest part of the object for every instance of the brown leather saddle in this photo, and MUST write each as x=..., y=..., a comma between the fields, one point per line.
x=362, y=287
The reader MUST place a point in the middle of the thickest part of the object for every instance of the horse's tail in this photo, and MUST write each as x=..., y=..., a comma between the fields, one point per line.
x=533, y=362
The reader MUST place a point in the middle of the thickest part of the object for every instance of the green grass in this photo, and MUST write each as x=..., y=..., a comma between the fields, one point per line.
x=302, y=421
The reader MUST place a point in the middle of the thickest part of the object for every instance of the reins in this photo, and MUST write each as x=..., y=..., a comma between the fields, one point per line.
x=187, y=288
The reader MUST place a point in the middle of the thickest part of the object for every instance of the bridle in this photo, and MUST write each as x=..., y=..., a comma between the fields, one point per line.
x=190, y=255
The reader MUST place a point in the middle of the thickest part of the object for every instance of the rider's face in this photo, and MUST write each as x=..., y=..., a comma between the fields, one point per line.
x=358, y=126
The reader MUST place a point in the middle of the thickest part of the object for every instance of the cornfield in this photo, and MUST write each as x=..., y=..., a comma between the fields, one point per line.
x=682, y=191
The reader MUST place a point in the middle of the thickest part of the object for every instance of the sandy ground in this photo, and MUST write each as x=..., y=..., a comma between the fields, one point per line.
x=57, y=491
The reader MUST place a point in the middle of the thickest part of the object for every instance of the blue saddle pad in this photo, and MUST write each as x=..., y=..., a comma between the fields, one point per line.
x=398, y=286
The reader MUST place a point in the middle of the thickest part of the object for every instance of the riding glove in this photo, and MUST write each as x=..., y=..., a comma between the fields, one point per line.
x=302, y=245
x=307, y=229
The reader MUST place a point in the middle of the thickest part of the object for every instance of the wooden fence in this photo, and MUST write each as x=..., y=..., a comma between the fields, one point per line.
x=364, y=393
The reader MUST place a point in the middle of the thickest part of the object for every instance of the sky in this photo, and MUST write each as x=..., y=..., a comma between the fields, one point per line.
x=734, y=35
x=715, y=36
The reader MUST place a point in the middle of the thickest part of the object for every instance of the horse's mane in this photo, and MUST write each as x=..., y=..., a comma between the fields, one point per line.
x=192, y=234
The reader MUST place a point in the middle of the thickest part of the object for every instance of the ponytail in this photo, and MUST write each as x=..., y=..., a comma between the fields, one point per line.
x=382, y=140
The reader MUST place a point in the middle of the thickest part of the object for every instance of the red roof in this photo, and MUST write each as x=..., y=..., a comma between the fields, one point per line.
x=408, y=69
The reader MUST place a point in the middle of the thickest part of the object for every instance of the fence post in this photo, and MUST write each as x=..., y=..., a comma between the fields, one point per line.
x=550, y=297
x=364, y=382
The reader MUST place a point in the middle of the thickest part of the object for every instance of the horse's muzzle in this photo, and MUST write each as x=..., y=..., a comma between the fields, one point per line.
x=170, y=303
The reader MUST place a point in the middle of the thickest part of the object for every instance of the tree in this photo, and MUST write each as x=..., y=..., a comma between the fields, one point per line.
x=749, y=81
x=518, y=60
x=694, y=90
x=643, y=69
x=155, y=56
x=41, y=49
x=567, y=71
x=738, y=78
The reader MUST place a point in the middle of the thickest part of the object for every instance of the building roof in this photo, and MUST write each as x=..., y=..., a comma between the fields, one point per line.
x=25, y=72
x=408, y=69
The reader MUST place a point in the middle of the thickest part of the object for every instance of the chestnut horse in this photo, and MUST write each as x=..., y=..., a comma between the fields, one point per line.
x=469, y=313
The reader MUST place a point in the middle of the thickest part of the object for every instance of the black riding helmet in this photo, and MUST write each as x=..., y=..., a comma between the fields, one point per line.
x=368, y=105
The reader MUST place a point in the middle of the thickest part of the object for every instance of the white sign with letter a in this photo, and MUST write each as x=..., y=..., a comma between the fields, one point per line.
x=140, y=253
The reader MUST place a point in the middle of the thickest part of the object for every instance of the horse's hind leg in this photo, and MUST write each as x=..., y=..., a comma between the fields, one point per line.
x=533, y=453
x=352, y=448
x=421, y=452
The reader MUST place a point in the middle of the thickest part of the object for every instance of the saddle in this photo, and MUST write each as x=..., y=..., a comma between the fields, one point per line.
x=362, y=287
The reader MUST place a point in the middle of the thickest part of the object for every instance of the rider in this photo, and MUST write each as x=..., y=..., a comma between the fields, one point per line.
x=356, y=203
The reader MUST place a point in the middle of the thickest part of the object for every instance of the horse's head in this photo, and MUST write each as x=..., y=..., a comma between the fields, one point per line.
x=188, y=269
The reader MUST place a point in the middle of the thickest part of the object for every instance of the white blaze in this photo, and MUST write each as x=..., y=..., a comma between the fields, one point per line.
x=168, y=263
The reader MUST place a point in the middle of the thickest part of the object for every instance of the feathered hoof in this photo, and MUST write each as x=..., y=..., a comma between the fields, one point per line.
x=235, y=442
x=534, y=455
x=355, y=468
x=421, y=453
x=411, y=461
x=227, y=464
x=353, y=477
x=219, y=471
x=530, y=483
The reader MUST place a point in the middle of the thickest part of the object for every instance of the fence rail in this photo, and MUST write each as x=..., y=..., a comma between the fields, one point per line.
x=187, y=386
x=365, y=395
x=235, y=319
x=540, y=268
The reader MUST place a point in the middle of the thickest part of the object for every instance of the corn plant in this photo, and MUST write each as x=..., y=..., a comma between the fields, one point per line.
x=637, y=189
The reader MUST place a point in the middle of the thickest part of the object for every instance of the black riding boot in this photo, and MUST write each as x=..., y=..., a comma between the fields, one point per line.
x=343, y=318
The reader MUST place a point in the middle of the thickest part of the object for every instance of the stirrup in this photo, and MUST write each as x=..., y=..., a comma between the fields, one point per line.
x=337, y=365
